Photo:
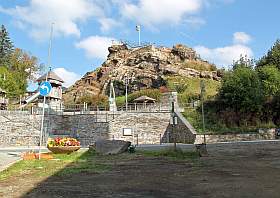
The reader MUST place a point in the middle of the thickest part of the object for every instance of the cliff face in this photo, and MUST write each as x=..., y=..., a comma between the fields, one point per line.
x=145, y=67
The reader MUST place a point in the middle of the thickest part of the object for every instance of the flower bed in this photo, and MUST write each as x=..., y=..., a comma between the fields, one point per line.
x=63, y=145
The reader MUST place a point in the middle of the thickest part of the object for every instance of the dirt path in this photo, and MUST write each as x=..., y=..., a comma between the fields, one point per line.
x=231, y=170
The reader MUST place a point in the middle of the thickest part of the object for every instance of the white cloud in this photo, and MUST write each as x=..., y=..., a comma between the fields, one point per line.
x=95, y=46
x=241, y=38
x=66, y=14
x=69, y=77
x=224, y=56
x=151, y=13
x=107, y=24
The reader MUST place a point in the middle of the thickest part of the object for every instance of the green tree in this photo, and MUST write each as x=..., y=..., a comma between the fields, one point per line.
x=25, y=64
x=12, y=82
x=243, y=61
x=270, y=80
x=22, y=68
x=241, y=90
x=272, y=57
x=6, y=47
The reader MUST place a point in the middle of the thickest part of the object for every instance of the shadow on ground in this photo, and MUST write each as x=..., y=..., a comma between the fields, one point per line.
x=125, y=175
x=231, y=170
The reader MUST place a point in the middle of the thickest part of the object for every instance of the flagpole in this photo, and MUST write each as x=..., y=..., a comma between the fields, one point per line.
x=44, y=102
x=138, y=29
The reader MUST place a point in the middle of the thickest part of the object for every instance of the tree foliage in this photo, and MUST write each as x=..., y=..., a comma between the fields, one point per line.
x=243, y=62
x=249, y=96
x=272, y=57
x=6, y=47
x=270, y=80
x=16, y=66
x=241, y=90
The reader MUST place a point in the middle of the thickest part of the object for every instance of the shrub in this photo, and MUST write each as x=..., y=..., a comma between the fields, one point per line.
x=94, y=100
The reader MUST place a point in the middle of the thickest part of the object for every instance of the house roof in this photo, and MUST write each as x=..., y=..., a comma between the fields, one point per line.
x=144, y=99
x=51, y=76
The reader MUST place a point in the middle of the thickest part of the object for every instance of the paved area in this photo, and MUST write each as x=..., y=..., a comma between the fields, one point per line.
x=10, y=155
x=186, y=147
x=7, y=159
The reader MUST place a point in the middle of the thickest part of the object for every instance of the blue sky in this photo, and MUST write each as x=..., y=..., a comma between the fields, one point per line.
x=220, y=30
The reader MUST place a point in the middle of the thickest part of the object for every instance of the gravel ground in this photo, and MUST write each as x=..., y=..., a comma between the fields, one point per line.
x=246, y=170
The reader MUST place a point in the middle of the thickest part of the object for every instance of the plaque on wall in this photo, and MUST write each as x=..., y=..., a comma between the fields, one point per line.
x=127, y=132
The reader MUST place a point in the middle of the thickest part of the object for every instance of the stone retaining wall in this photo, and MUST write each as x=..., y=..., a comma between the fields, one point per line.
x=86, y=128
x=23, y=129
x=261, y=135
x=146, y=128
x=19, y=130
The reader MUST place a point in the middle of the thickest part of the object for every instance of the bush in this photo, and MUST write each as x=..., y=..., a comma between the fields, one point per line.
x=241, y=90
x=95, y=100
x=270, y=80
x=190, y=88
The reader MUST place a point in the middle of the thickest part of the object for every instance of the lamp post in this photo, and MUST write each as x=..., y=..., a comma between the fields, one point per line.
x=138, y=29
x=173, y=122
x=126, y=87
x=202, y=92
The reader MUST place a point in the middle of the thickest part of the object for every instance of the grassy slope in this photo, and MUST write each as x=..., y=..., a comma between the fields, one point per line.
x=195, y=118
x=191, y=87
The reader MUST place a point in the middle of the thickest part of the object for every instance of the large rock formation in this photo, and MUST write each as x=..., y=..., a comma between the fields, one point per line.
x=145, y=67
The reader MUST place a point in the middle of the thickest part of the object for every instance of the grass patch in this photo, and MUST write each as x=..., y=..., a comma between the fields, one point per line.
x=179, y=154
x=62, y=165
x=217, y=127
x=153, y=93
x=191, y=88
x=199, y=65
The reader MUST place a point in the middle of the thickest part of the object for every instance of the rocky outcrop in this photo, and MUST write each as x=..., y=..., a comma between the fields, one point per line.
x=144, y=67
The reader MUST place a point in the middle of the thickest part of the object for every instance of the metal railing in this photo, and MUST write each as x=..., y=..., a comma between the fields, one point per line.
x=144, y=107
x=84, y=109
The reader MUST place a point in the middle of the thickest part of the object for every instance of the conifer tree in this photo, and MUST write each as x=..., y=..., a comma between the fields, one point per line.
x=6, y=46
x=272, y=57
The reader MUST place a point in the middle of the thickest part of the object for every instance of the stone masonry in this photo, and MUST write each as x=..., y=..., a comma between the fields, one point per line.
x=23, y=129
x=146, y=128
x=86, y=128
x=19, y=129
